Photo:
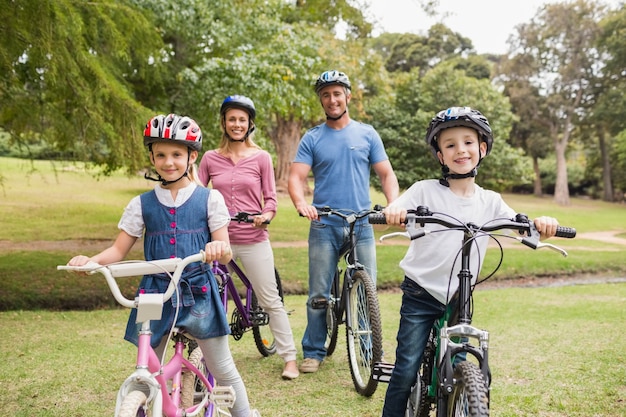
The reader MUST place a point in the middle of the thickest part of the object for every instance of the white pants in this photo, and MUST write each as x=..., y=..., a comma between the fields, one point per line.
x=257, y=260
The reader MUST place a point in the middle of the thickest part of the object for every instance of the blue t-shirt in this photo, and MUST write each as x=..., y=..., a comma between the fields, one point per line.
x=341, y=161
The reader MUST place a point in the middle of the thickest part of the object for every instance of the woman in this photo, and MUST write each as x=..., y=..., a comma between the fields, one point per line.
x=244, y=174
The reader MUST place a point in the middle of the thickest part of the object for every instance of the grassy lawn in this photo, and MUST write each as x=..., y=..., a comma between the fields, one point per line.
x=555, y=352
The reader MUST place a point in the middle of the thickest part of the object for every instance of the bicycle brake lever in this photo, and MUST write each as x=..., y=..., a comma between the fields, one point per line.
x=410, y=234
x=534, y=243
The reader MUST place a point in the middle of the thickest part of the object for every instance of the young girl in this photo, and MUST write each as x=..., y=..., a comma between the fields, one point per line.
x=459, y=137
x=243, y=173
x=179, y=218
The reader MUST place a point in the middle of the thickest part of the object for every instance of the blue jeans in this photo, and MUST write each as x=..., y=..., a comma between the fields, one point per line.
x=418, y=313
x=325, y=242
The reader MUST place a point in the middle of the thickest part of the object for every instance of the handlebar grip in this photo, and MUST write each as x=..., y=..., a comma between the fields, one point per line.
x=568, y=232
x=377, y=218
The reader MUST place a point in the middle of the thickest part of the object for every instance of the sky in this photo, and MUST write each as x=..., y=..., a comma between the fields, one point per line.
x=488, y=23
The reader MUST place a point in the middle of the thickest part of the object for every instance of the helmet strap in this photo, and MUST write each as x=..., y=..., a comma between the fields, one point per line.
x=446, y=175
x=336, y=118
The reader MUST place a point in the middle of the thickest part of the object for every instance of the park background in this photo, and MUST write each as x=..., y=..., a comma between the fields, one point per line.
x=78, y=86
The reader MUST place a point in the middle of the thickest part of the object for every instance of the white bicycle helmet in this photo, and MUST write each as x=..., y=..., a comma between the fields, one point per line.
x=172, y=127
x=332, y=77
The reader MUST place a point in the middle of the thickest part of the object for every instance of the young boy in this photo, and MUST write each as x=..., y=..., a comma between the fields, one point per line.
x=459, y=137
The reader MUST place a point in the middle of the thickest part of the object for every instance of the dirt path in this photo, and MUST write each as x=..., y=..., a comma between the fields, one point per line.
x=96, y=245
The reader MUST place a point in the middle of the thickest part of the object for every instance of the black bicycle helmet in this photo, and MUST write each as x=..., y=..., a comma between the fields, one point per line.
x=332, y=77
x=455, y=117
x=239, y=102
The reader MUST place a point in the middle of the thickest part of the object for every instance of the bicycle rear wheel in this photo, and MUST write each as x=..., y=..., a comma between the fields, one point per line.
x=470, y=396
x=133, y=404
x=332, y=321
x=193, y=390
x=263, y=336
x=364, y=336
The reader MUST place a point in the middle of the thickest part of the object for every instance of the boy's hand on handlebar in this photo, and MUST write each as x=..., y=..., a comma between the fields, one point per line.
x=546, y=226
x=218, y=250
x=395, y=216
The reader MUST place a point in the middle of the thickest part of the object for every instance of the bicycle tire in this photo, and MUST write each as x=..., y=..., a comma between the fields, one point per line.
x=365, y=339
x=470, y=395
x=193, y=390
x=263, y=336
x=332, y=320
x=133, y=404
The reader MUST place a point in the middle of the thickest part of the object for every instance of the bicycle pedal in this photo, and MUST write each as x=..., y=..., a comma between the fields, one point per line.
x=382, y=371
x=223, y=396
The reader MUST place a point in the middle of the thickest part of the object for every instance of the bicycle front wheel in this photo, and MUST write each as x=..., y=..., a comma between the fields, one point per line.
x=364, y=334
x=263, y=336
x=193, y=390
x=133, y=404
x=470, y=396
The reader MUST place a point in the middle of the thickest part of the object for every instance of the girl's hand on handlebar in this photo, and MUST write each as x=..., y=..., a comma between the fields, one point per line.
x=218, y=250
x=546, y=226
x=395, y=216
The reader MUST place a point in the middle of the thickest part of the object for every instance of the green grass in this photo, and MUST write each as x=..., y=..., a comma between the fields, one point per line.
x=58, y=202
x=554, y=352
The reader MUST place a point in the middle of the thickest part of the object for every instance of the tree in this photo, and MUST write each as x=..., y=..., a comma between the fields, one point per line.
x=403, y=125
x=559, y=44
x=68, y=78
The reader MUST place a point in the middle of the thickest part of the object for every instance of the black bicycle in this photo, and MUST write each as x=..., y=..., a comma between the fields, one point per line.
x=446, y=383
x=355, y=303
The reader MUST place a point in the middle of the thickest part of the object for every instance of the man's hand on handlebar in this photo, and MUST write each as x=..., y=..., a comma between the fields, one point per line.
x=308, y=211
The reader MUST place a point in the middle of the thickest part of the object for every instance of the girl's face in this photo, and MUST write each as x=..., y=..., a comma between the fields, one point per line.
x=236, y=123
x=334, y=100
x=170, y=159
x=460, y=149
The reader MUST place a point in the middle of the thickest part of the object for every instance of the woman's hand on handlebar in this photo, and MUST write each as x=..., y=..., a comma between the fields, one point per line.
x=395, y=216
x=262, y=220
x=546, y=226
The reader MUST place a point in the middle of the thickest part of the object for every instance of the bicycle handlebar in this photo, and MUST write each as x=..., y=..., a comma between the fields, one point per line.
x=136, y=268
x=243, y=217
x=347, y=214
x=422, y=215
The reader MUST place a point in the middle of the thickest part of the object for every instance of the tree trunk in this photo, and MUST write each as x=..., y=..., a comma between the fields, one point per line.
x=561, y=188
x=537, y=189
x=285, y=136
x=606, y=167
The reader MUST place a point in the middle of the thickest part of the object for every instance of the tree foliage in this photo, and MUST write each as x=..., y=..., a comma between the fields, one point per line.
x=68, y=78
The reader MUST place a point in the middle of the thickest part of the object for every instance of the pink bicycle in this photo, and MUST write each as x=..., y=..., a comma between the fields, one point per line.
x=179, y=387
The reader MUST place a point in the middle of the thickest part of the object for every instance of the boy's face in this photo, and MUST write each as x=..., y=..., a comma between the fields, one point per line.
x=460, y=149
x=170, y=159
x=334, y=99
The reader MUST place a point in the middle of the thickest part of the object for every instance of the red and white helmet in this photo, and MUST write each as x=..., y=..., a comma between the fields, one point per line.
x=182, y=129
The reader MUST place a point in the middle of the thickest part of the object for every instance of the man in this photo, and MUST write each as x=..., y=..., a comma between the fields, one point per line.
x=340, y=152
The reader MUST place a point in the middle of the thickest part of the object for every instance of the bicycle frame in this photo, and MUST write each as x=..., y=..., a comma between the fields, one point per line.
x=151, y=377
x=228, y=287
x=355, y=304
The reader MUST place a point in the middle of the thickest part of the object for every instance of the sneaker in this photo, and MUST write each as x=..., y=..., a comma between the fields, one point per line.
x=309, y=365
x=255, y=413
